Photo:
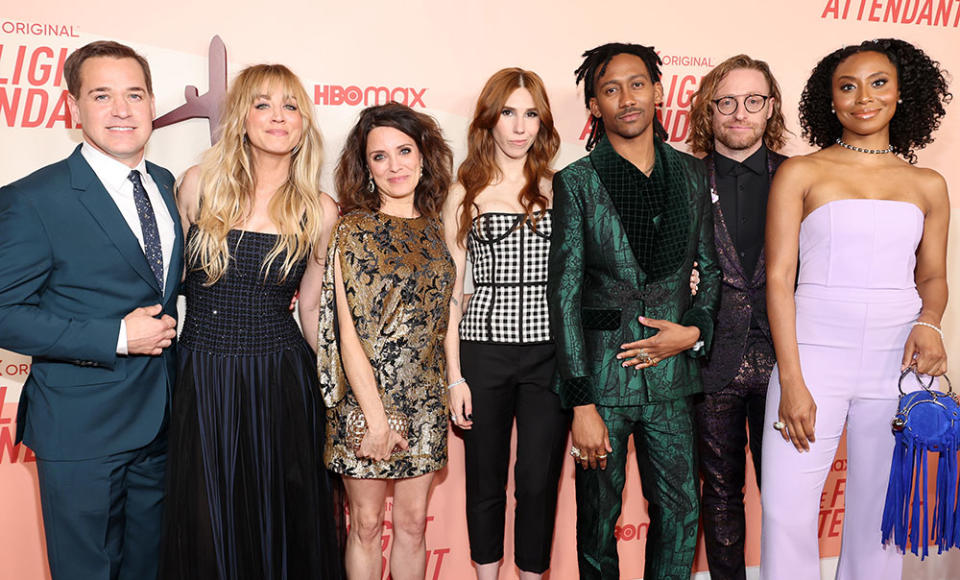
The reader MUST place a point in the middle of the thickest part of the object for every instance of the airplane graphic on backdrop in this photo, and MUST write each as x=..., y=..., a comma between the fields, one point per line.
x=208, y=105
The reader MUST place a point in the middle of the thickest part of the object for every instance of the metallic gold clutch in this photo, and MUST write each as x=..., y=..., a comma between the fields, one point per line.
x=357, y=427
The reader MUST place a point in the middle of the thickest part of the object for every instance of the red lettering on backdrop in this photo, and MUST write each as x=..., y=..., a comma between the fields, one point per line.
x=437, y=557
x=7, y=449
x=417, y=97
x=926, y=13
x=12, y=453
x=434, y=557
x=32, y=96
x=13, y=369
x=3, y=396
x=30, y=107
x=687, y=87
x=586, y=128
x=832, y=7
x=9, y=104
x=354, y=95
x=831, y=508
x=18, y=67
x=681, y=126
x=35, y=66
x=913, y=15
x=377, y=92
x=921, y=12
x=836, y=524
x=402, y=91
x=61, y=112
x=631, y=532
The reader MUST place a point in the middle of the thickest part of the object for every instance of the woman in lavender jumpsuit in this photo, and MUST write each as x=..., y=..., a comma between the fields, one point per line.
x=870, y=229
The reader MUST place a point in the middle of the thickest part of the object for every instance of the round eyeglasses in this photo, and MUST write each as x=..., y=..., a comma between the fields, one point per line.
x=752, y=103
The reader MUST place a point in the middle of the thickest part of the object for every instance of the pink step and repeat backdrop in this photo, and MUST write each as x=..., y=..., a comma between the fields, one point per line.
x=433, y=55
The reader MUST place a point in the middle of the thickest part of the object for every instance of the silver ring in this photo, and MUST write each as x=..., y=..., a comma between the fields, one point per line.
x=454, y=417
x=643, y=356
x=574, y=452
x=779, y=425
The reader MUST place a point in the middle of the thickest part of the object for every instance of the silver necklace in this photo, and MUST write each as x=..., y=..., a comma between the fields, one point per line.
x=889, y=148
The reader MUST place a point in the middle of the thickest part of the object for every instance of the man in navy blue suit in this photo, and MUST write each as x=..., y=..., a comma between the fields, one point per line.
x=91, y=254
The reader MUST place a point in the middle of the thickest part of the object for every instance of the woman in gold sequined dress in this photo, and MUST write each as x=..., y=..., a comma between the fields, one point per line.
x=384, y=313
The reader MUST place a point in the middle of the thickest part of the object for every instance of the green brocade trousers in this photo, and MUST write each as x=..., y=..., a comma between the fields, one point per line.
x=666, y=456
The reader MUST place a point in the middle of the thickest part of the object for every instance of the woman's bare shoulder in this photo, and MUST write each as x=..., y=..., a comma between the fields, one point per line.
x=188, y=192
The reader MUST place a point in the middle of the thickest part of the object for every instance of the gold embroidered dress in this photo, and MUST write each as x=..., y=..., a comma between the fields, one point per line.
x=398, y=278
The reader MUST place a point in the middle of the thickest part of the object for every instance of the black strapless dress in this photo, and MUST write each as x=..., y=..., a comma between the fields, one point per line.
x=248, y=494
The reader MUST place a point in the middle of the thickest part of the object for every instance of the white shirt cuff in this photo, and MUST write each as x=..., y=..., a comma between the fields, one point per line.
x=122, y=339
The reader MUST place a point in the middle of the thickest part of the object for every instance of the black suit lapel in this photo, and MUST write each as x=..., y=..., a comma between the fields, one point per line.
x=101, y=206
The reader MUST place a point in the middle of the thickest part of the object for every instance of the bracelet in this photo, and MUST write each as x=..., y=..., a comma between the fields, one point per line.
x=933, y=326
x=459, y=381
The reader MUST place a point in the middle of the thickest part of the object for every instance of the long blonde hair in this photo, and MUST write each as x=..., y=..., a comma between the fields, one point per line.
x=227, y=182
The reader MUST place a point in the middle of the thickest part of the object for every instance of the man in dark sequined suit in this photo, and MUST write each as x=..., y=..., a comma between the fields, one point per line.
x=630, y=220
x=736, y=121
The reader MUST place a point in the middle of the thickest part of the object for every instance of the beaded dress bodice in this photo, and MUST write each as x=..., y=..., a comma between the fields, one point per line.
x=242, y=313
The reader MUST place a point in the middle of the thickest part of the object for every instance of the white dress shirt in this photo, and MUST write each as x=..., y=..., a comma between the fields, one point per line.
x=114, y=176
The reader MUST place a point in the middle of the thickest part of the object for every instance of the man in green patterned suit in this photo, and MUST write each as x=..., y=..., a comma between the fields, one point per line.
x=630, y=220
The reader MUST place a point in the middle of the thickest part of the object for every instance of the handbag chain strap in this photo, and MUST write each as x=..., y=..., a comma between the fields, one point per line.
x=925, y=386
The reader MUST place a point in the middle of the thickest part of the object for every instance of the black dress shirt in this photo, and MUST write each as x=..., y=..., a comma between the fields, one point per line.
x=743, y=189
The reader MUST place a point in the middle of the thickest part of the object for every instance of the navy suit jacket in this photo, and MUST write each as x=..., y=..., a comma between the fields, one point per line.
x=70, y=270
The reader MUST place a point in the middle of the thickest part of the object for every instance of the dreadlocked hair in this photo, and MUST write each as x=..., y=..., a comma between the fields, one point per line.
x=594, y=65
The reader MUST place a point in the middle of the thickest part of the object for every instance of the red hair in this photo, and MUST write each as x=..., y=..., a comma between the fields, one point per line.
x=479, y=169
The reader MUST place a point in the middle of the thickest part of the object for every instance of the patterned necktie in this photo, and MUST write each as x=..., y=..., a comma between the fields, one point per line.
x=148, y=224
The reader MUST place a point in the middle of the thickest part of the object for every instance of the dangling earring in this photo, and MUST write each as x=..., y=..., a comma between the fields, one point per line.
x=371, y=186
x=421, y=171
x=832, y=110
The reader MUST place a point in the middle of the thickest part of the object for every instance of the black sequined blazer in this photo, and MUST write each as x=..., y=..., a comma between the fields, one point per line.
x=740, y=298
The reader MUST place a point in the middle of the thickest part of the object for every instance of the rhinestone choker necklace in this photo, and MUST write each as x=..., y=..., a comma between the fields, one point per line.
x=889, y=148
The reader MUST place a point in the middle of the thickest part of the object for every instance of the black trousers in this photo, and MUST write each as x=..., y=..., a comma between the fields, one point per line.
x=722, y=419
x=507, y=382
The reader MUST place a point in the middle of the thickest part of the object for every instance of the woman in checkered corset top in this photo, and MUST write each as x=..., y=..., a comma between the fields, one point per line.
x=500, y=353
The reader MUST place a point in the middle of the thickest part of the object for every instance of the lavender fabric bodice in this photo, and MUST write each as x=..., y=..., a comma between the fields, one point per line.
x=861, y=243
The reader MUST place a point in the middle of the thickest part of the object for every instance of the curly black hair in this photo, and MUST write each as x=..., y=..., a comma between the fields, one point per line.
x=923, y=92
x=595, y=64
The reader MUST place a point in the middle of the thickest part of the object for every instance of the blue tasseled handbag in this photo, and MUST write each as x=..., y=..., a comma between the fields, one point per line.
x=926, y=420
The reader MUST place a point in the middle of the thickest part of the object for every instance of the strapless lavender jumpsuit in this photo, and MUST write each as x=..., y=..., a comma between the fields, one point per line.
x=856, y=303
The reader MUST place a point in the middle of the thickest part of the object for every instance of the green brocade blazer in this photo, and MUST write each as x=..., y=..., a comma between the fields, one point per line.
x=597, y=288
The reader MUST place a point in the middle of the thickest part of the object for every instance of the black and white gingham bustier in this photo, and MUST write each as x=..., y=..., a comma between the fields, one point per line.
x=509, y=256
